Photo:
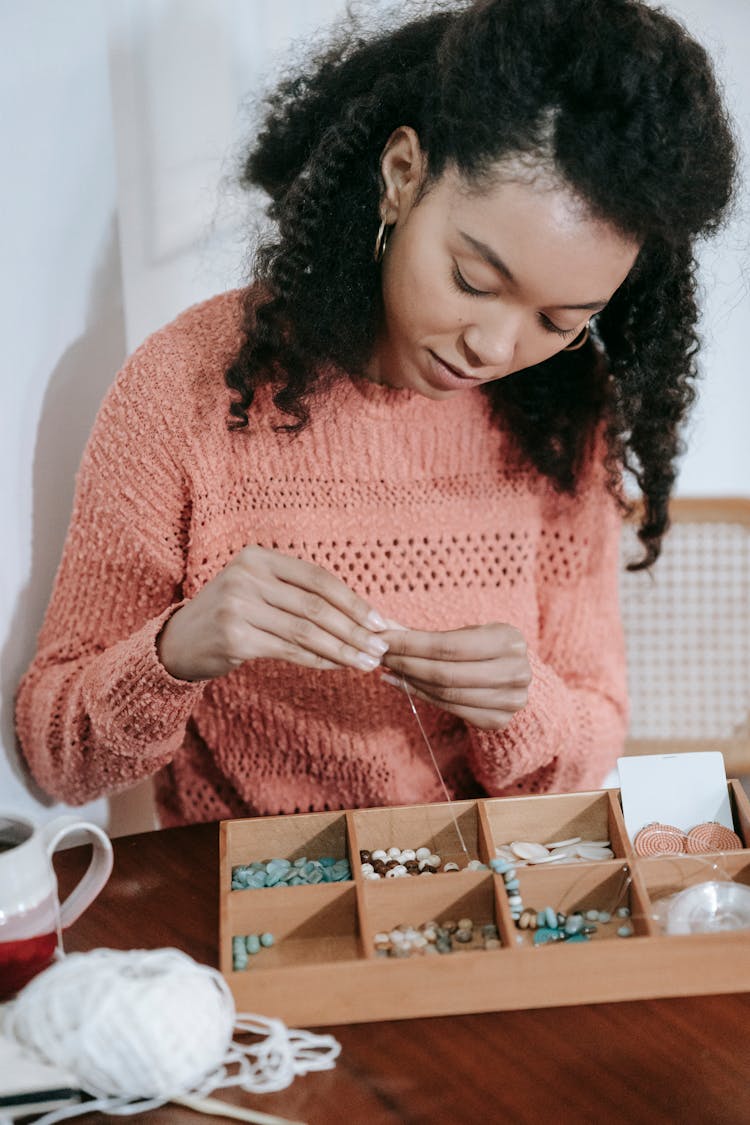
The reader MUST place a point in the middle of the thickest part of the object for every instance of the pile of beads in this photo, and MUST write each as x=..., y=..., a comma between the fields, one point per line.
x=664, y=839
x=290, y=873
x=574, y=850
x=397, y=863
x=436, y=937
x=248, y=944
x=549, y=924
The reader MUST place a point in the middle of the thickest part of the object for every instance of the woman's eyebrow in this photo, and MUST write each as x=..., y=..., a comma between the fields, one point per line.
x=497, y=263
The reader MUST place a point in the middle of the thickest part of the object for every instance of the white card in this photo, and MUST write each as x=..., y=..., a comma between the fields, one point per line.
x=679, y=789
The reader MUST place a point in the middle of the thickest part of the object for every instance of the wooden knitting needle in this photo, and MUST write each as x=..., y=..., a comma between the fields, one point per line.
x=217, y=1108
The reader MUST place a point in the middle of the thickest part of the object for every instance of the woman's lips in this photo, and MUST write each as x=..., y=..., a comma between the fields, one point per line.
x=447, y=377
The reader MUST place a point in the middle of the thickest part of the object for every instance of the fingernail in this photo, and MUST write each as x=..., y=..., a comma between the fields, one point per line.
x=387, y=678
x=395, y=625
x=375, y=621
x=365, y=662
x=377, y=645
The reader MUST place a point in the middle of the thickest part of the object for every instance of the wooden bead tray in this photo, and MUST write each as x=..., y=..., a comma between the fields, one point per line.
x=322, y=968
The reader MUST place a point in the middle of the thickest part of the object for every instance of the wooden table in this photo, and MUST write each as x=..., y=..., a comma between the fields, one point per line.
x=681, y=1062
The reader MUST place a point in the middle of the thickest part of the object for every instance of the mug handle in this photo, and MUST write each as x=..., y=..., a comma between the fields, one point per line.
x=99, y=868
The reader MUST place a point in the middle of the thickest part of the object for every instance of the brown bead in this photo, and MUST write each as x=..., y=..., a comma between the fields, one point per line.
x=364, y=856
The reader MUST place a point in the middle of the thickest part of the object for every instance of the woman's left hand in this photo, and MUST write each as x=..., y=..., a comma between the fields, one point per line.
x=480, y=673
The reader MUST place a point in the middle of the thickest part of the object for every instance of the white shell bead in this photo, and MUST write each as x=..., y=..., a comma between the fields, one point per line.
x=422, y=853
x=527, y=850
x=379, y=855
x=434, y=860
x=589, y=851
x=407, y=854
x=367, y=869
x=394, y=853
x=565, y=843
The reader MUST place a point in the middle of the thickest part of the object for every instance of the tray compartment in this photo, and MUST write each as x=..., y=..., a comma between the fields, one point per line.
x=544, y=820
x=581, y=887
x=309, y=925
x=313, y=835
x=668, y=875
x=464, y=894
x=421, y=826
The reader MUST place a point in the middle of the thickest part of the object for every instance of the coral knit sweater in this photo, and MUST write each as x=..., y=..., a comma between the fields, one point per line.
x=421, y=506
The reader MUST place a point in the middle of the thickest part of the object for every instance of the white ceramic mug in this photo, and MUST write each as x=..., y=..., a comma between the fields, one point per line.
x=28, y=892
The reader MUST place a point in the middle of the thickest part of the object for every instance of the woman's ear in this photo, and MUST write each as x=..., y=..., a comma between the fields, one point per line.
x=403, y=164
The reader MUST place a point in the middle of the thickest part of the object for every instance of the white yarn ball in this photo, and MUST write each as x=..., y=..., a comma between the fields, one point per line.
x=135, y=1024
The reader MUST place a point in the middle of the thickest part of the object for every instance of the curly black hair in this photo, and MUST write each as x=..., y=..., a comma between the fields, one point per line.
x=615, y=98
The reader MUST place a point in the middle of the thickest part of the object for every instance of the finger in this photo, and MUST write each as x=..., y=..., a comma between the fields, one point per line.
x=291, y=655
x=481, y=717
x=510, y=671
x=473, y=642
x=317, y=580
x=297, y=633
x=311, y=607
x=493, y=699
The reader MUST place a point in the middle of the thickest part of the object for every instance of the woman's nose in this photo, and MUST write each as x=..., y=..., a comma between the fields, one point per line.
x=492, y=345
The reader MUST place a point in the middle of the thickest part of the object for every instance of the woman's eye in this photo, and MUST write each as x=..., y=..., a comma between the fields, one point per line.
x=551, y=327
x=463, y=286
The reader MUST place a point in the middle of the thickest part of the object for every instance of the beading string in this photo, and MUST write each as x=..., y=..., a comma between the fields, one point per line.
x=435, y=764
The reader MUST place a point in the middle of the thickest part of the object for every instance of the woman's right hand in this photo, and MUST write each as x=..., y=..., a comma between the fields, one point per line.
x=268, y=606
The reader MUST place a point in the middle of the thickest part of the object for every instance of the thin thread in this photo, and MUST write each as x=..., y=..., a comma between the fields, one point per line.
x=434, y=762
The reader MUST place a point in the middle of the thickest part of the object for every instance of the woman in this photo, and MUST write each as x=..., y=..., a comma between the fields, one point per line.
x=393, y=463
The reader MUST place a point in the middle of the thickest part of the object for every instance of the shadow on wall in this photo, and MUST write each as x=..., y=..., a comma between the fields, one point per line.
x=74, y=392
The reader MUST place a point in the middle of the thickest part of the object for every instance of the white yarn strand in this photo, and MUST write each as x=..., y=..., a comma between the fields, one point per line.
x=138, y=1028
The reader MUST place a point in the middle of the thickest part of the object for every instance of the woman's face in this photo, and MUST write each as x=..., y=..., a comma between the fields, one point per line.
x=477, y=285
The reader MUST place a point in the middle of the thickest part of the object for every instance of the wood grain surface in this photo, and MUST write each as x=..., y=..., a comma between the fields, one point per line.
x=678, y=1062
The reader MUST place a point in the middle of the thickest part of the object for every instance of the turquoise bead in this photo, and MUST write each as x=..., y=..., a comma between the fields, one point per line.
x=296, y=881
x=500, y=866
x=300, y=862
x=578, y=937
x=604, y=917
x=512, y=884
x=266, y=940
x=252, y=943
x=541, y=918
x=315, y=876
x=573, y=924
x=544, y=934
x=327, y=861
x=625, y=931
x=550, y=917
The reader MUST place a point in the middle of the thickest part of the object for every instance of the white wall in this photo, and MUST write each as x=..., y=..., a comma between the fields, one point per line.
x=61, y=299
x=115, y=215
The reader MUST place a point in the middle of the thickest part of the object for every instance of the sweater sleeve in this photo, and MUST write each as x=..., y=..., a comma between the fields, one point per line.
x=572, y=729
x=97, y=711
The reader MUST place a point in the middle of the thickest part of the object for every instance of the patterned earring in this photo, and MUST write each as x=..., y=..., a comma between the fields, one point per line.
x=579, y=342
x=381, y=242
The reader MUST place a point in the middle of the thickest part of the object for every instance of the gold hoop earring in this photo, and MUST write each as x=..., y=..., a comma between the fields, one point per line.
x=579, y=342
x=381, y=242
